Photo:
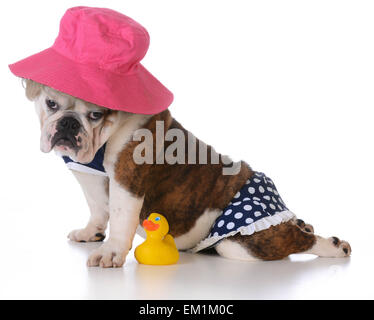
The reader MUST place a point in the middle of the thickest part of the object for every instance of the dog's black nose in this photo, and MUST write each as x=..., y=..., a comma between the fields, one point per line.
x=68, y=124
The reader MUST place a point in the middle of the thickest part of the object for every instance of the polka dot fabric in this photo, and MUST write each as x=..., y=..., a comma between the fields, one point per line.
x=256, y=206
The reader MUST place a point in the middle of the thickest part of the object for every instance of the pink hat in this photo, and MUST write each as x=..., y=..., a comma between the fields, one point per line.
x=96, y=57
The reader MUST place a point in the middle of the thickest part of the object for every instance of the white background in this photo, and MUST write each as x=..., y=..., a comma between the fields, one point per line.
x=285, y=85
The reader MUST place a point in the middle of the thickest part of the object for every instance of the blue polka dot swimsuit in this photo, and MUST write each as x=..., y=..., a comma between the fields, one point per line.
x=255, y=207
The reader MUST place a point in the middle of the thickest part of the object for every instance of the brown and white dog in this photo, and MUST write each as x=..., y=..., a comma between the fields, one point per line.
x=190, y=196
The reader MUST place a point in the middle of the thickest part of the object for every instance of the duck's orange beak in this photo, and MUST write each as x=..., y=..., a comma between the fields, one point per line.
x=150, y=225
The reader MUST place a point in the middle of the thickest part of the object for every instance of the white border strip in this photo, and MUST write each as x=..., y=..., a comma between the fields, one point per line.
x=259, y=225
x=82, y=168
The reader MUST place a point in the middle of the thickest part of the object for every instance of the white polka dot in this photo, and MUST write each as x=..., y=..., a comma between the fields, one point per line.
x=263, y=206
x=275, y=200
x=228, y=212
x=279, y=206
x=266, y=197
x=247, y=207
x=256, y=180
x=238, y=215
x=230, y=225
x=270, y=189
x=236, y=203
x=256, y=203
x=256, y=198
x=251, y=190
x=272, y=206
x=237, y=195
x=215, y=234
x=220, y=223
x=246, y=199
x=276, y=193
x=261, y=189
x=257, y=213
x=248, y=220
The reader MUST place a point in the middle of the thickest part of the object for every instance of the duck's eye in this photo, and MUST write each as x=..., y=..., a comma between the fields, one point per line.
x=95, y=115
x=51, y=104
x=157, y=218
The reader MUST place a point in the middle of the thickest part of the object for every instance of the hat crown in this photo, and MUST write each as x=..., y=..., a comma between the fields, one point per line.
x=102, y=37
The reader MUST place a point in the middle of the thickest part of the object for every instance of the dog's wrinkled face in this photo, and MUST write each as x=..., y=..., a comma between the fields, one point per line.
x=70, y=126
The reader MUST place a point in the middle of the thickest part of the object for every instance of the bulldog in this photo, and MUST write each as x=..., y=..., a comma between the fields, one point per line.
x=197, y=199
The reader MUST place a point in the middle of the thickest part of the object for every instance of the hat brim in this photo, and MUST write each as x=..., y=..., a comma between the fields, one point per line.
x=138, y=92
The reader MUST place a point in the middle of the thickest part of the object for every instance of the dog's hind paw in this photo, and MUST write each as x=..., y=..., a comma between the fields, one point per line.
x=344, y=249
x=303, y=226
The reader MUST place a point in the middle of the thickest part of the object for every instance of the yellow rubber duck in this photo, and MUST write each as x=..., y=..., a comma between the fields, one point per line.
x=159, y=247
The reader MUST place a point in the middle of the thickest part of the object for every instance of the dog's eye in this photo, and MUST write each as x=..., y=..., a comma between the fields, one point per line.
x=95, y=115
x=51, y=104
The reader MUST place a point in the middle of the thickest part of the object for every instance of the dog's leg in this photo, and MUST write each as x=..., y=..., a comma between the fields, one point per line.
x=280, y=241
x=124, y=210
x=95, y=189
x=274, y=243
x=330, y=248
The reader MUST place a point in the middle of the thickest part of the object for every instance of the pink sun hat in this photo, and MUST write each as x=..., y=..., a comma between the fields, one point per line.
x=96, y=57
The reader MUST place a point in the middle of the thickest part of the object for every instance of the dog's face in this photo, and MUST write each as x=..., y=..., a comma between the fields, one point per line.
x=70, y=126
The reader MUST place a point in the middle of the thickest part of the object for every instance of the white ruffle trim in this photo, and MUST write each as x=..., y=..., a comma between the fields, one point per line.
x=259, y=225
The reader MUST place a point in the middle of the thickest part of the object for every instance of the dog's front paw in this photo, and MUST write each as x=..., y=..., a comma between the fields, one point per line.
x=110, y=255
x=86, y=235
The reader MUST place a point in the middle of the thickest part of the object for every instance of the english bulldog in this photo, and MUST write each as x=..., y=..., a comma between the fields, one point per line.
x=198, y=199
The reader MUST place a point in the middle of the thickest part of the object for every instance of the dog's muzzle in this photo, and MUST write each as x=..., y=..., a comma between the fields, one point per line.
x=66, y=131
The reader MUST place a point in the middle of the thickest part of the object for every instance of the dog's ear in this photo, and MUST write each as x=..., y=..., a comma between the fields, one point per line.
x=32, y=89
